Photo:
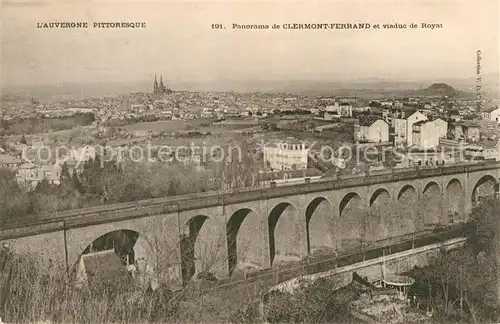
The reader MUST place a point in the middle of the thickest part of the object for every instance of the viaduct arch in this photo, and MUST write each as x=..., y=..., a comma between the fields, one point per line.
x=485, y=187
x=320, y=225
x=431, y=204
x=191, y=250
x=121, y=241
x=131, y=246
x=285, y=232
x=352, y=220
x=454, y=202
x=407, y=212
x=241, y=243
x=381, y=214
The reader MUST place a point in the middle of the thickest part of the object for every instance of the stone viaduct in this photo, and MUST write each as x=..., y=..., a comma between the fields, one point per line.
x=223, y=231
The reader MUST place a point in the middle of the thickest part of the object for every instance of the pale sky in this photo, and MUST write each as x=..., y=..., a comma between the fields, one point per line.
x=179, y=42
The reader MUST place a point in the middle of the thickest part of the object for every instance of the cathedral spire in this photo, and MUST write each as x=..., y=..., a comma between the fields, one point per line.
x=155, y=85
x=161, y=82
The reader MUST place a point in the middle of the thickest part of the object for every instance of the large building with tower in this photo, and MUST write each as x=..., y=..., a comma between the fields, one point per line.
x=159, y=88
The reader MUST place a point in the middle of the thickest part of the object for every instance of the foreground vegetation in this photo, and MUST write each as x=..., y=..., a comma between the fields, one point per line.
x=29, y=294
x=462, y=285
x=112, y=183
x=311, y=302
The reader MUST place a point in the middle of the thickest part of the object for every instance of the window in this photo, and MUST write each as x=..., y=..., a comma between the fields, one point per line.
x=451, y=219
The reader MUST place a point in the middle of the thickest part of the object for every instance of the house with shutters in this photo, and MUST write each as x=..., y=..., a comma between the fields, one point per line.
x=403, y=127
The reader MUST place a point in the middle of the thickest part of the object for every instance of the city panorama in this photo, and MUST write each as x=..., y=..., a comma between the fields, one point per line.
x=249, y=163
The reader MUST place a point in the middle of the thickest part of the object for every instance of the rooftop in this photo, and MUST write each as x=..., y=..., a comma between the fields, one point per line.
x=487, y=143
x=419, y=123
x=9, y=159
x=407, y=113
x=437, y=119
x=490, y=109
x=289, y=141
x=467, y=123
x=367, y=120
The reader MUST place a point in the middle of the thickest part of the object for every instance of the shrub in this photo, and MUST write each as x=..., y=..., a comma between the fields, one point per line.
x=30, y=293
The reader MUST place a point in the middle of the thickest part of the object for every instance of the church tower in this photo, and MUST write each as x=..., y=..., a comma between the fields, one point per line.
x=161, y=86
x=155, y=86
x=159, y=89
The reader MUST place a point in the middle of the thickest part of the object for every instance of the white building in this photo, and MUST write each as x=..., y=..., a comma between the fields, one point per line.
x=372, y=129
x=429, y=158
x=286, y=155
x=492, y=114
x=30, y=175
x=403, y=128
x=486, y=150
x=331, y=115
x=78, y=155
x=339, y=110
x=9, y=161
x=361, y=109
x=81, y=110
x=425, y=134
x=333, y=109
x=345, y=110
x=441, y=127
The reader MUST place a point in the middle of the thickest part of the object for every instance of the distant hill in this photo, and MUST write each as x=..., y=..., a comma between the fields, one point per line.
x=490, y=83
x=440, y=90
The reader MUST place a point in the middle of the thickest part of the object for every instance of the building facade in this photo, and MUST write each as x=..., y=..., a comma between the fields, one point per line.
x=441, y=127
x=10, y=162
x=466, y=131
x=492, y=114
x=485, y=150
x=425, y=135
x=471, y=132
x=403, y=128
x=339, y=110
x=30, y=175
x=286, y=155
x=372, y=129
x=345, y=110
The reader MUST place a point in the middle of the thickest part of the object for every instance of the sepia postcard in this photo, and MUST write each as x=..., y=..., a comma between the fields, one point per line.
x=249, y=161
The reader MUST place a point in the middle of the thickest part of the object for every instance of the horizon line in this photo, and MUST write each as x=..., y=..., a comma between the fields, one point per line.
x=305, y=79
